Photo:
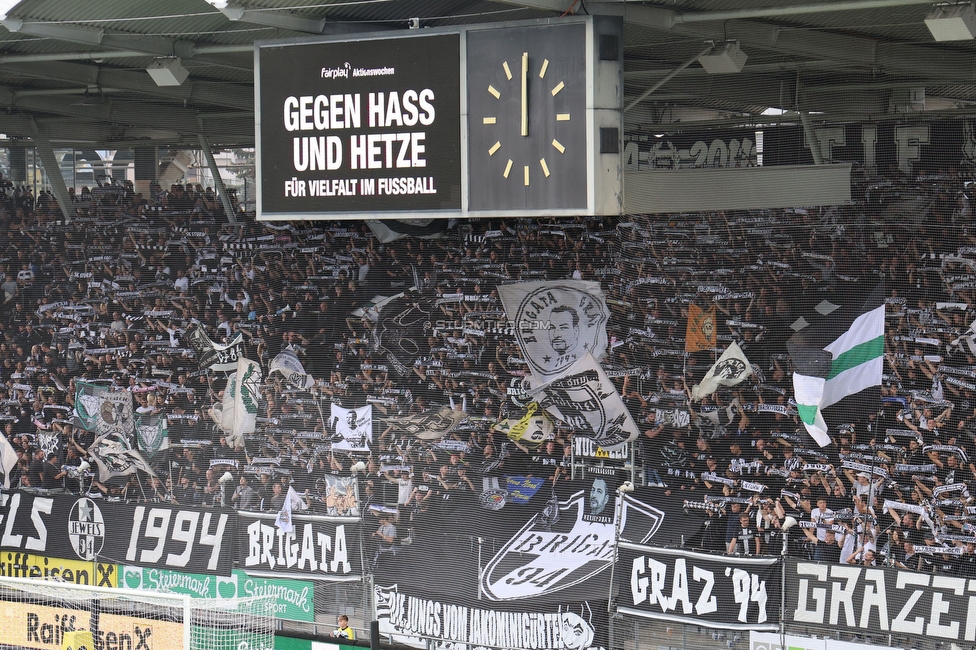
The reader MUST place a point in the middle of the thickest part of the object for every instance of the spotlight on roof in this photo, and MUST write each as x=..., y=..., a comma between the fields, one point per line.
x=725, y=58
x=952, y=22
x=167, y=72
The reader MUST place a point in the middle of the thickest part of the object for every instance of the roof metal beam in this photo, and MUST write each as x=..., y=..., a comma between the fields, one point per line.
x=99, y=55
x=867, y=52
x=668, y=18
x=148, y=45
x=278, y=19
x=230, y=95
x=58, y=131
x=138, y=114
x=794, y=10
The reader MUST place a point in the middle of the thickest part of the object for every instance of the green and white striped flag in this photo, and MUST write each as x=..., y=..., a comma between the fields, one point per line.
x=851, y=363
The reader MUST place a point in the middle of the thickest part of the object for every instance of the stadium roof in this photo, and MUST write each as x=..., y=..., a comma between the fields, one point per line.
x=74, y=71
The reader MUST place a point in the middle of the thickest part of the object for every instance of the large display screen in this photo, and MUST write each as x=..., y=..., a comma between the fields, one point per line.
x=359, y=126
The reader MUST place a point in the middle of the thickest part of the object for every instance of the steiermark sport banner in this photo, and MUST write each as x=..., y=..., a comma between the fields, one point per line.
x=293, y=598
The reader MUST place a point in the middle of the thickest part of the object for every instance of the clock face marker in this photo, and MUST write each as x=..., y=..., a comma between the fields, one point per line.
x=491, y=120
x=524, y=131
x=545, y=66
x=508, y=71
x=508, y=168
x=526, y=174
x=495, y=147
x=562, y=117
x=495, y=93
x=559, y=86
x=545, y=167
x=559, y=147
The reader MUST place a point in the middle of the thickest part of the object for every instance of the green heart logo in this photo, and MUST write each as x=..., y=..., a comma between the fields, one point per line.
x=227, y=587
x=133, y=578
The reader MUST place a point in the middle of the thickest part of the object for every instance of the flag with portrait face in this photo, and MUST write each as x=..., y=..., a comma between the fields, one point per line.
x=557, y=323
x=354, y=426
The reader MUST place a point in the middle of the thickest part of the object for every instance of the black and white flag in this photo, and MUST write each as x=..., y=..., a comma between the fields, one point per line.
x=8, y=460
x=213, y=355
x=731, y=368
x=290, y=366
x=431, y=424
x=557, y=323
x=584, y=398
x=114, y=457
x=354, y=425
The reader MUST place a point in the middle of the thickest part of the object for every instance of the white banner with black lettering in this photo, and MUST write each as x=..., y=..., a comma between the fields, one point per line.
x=735, y=593
x=411, y=619
x=851, y=599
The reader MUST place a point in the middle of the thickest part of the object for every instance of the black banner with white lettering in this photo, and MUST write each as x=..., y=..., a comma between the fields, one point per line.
x=736, y=593
x=916, y=147
x=320, y=548
x=558, y=546
x=845, y=598
x=151, y=535
x=364, y=126
x=695, y=149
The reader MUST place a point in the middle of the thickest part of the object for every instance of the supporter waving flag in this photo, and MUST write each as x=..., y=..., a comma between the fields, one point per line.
x=700, y=334
x=849, y=364
x=531, y=429
x=284, y=520
x=114, y=457
x=8, y=460
x=290, y=366
x=731, y=368
x=353, y=426
x=212, y=355
x=557, y=323
x=237, y=413
x=152, y=432
x=223, y=413
x=103, y=410
x=585, y=399
x=245, y=401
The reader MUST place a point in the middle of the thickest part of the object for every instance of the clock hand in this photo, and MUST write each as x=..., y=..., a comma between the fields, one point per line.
x=525, y=94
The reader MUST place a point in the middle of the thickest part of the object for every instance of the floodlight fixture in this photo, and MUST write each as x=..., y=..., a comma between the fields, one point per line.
x=952, y=22
x=725, y=58
x=167, y=72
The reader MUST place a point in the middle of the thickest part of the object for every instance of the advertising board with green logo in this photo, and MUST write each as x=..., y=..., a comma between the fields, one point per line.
x=293, y=598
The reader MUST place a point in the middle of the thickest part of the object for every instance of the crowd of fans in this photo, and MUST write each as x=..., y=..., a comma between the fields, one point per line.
x=110, y=294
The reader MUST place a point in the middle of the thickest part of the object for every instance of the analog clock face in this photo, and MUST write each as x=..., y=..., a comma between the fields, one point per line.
x=527, y=118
